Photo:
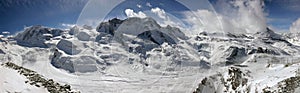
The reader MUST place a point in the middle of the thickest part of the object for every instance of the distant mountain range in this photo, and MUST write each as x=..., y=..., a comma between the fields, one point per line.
x=139, y=55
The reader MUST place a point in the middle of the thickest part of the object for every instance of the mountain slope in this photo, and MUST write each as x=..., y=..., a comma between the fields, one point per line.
x=138, y=55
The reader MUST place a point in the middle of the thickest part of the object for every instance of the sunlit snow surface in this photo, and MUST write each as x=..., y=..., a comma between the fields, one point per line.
x=110, y=65
x=123, y=77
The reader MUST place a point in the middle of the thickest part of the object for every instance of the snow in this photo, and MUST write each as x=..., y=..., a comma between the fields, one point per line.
x=141, y=56
x=12, y=81
x=71, y=47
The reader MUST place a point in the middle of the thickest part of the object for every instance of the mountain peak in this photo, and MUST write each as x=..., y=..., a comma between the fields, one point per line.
x=35, y=36
x=268, y=33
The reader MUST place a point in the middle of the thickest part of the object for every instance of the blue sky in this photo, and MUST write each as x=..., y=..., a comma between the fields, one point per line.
x=15, y=14
x=282, y=13
x=141, y=5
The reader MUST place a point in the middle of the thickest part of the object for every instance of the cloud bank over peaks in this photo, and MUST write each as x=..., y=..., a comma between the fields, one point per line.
x=237, y=16
x=247, y=15
x=131, y=13
x=202, y=20
x=233, y=16
x=160, y=12
x=166, y=18
x=295, y=27
x=251, y=15
x=159, y=15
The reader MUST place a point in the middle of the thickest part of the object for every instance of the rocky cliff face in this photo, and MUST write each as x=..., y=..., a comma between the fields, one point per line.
x=110, y=26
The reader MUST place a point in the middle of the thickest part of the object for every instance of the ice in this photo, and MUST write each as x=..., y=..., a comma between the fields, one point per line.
x=70, y=47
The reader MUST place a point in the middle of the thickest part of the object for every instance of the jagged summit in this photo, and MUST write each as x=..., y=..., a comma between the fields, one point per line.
x=110, y=26
x=268, y=34
x=132, y=25
x=135, y=26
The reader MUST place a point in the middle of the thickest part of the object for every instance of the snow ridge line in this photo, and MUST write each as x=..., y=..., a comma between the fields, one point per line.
x=38, y=80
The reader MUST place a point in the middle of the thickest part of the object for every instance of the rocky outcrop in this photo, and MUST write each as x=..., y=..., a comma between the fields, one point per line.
x=268, y=34
x=135, y=26
x=156, y=37
x=60, y=61
x=236, y=81
x=239, y=36
x=2, y=52
x=206, y=86
x=235, y=54
x=109, y=27
x=266, y=51
x=38, y=80
x=288, y=85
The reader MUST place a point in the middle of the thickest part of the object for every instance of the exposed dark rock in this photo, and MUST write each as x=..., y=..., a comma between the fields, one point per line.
x=2, y=52
x=156, y=37
x=266, y=51
x=62, y=62
x=286, y=86
x=110, y=26
x=239, y=36
x=236, y=78
x=206, y=86
x=235, y=55
x=37, y=80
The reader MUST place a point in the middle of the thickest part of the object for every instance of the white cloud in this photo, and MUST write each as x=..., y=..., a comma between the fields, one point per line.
x=148, y=4
x=295, y=27
x=5, y=33
x=165, y=18
x=160, y=12
x=131, y=13
x=139, y=6
x=203, y=20
x=241, y=16
x=67, y=25
x=251, y=15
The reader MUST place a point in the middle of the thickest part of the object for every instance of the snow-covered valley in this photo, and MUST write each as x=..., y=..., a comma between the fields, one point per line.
x=140, y=56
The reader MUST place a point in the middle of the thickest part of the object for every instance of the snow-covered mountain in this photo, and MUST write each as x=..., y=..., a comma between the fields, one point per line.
x=139, y=55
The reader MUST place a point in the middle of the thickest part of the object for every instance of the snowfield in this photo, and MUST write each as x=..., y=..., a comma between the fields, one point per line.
x=138, y=55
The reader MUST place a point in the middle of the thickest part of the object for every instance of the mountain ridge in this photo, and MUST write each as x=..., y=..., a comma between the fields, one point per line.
x=127, y=50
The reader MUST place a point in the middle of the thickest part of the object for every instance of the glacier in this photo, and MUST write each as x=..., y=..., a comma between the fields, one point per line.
x=139, y=55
